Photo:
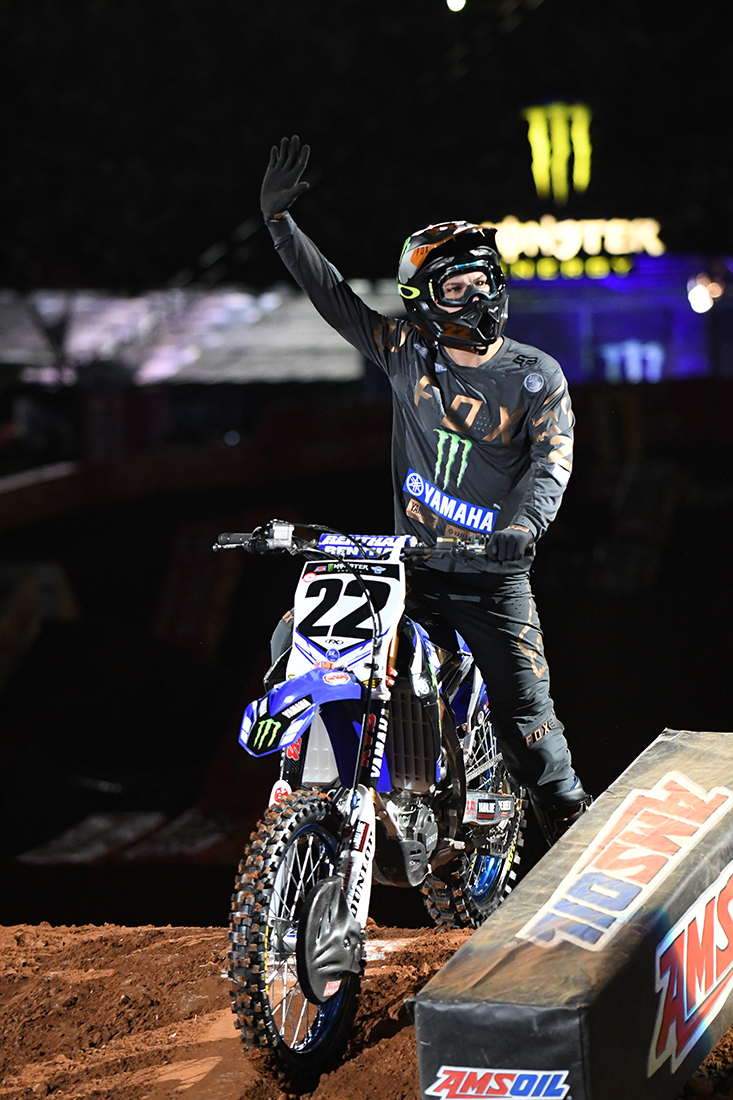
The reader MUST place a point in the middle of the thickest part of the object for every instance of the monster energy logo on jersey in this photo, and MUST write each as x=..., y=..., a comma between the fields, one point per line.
x=449, y=448
x=265, y=734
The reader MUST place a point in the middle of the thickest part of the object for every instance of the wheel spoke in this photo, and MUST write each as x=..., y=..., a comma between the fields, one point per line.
x=298, y=867
x=303, y=1013
x=278, y=900
x=482, y=757
x=289, y=993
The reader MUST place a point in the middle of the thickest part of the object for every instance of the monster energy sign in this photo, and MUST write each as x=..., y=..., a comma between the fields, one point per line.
x=460, y=512
x=555, y=131
x=560, y=140
x=449, y=448
x=265, y=734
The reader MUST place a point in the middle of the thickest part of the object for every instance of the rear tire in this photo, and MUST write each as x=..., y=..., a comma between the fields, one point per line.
x=294, y=848
x=464, y=892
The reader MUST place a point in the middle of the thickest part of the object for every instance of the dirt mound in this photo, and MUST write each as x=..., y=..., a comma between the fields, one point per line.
x=114, y=1013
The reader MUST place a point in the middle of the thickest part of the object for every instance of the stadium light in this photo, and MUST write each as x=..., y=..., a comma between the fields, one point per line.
x=702, y=292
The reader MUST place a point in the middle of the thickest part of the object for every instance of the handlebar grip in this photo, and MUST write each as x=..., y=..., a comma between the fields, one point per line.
x=227, y=539
x=275, y=535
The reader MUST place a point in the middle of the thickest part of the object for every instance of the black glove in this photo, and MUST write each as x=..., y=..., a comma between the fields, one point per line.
x=282, y=184
x=511, y=544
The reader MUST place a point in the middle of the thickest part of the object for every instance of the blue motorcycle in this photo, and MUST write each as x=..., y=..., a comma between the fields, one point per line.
x=389, y=773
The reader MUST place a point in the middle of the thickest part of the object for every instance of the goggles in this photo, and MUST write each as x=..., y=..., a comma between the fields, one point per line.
x=490, y=290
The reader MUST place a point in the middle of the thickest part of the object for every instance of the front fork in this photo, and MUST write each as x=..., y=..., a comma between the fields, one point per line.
x=358, y=842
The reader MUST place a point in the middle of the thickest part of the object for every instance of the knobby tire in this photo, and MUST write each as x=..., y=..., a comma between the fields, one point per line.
x=464, y=892
x=292, y=849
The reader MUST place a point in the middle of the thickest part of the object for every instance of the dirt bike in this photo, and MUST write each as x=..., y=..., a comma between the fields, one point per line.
x=389, y=773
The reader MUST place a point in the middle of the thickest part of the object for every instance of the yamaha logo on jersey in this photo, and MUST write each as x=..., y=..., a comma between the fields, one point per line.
x=461, y=513
x=414, y=484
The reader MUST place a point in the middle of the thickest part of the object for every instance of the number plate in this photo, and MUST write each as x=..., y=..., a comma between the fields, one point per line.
x=333, y=623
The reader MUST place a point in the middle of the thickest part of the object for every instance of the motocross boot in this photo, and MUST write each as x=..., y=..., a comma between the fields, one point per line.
x=556, y=817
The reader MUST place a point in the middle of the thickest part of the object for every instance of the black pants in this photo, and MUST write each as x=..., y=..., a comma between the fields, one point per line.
x=496, y=615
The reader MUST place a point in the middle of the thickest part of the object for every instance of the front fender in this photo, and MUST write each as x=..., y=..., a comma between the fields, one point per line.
x=279, y=718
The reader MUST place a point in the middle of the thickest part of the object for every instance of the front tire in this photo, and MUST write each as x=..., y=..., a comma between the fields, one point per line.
x=294, y=847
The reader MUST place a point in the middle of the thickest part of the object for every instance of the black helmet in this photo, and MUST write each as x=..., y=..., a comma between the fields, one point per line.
x=437, y=253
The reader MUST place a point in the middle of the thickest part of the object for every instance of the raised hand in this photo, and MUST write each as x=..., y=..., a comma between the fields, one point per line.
x=282, y=184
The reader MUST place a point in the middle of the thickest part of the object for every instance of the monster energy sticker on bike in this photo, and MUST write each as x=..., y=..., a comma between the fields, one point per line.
x=460, y=512
x=265, y=734
x=267, y=731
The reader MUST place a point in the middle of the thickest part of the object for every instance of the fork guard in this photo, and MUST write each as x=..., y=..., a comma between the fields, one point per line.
x=329, y=941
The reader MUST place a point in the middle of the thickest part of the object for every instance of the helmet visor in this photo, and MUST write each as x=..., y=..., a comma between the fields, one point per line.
x=467, y=282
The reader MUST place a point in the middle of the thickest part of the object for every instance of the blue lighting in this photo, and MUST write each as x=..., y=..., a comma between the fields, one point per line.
x=620, y=327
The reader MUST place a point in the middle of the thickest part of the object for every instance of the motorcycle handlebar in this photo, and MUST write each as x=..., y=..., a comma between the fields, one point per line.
x=278, y=535
x=224, y=541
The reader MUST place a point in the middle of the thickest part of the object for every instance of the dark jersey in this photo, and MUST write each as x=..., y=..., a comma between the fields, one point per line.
x=474, y=449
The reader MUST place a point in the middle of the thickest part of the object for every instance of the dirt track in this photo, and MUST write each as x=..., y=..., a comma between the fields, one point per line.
x=116, y=1013
x=143, y=1014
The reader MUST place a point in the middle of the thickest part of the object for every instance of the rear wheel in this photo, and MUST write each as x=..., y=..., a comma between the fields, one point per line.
x=466, y=891
x=293, y=849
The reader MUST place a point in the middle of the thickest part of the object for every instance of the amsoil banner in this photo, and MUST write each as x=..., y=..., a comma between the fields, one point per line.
x=609, y=971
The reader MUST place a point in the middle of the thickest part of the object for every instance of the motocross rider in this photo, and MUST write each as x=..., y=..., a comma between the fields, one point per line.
x=482, y=444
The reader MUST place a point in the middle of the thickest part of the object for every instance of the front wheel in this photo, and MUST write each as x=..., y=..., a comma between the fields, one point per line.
x=293, y=849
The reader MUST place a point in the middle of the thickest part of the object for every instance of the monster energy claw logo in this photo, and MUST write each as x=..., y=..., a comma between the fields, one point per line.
x=266, y=732
x=557, y=131
x=449, y=446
